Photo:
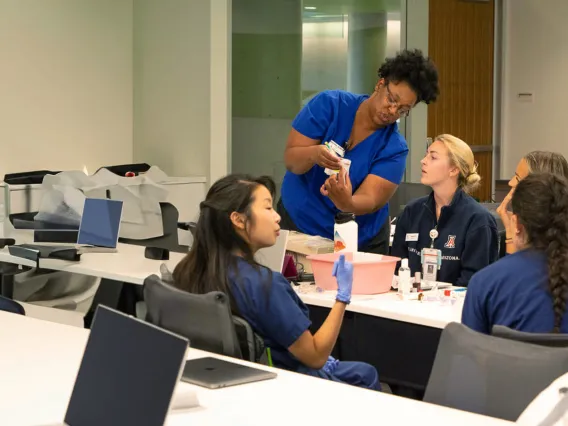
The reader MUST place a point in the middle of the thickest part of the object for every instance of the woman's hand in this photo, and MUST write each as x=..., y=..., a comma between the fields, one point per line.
x=323, y=157
x=343, y=272
x=339, y=190
x=506, y=215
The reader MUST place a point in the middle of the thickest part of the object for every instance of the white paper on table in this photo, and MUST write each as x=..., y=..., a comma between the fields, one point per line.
x=64, y=195
x=545, y=403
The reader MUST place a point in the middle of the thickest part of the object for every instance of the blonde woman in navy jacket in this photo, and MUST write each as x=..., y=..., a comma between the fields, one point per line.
x=465, y=231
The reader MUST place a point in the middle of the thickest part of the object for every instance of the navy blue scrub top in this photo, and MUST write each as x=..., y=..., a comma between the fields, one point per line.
x=272, y=308
x=512, y=292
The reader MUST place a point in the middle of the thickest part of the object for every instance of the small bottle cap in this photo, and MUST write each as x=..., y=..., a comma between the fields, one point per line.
x=447, y=293
x=404, y=263
x=344, y=217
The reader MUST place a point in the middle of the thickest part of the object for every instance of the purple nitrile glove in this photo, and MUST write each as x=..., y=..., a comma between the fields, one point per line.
x=343, y=272
x=330, y=365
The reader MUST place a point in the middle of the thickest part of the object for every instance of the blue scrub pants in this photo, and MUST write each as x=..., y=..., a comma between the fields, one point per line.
x=350, y=372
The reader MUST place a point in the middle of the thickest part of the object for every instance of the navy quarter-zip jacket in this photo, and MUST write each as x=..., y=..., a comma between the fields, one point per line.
x=467, y=236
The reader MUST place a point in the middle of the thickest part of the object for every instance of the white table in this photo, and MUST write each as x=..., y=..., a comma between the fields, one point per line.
x=388, y=305
x=398, y=337
x=128, y=264
x=39, y=362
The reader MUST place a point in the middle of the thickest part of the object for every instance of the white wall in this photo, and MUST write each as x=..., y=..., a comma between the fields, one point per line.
x=172, y=85
x=260, y=128
x=325, y=52
x=221, y=89
x=416, y=37
x=324, y=55
x=535, y=46
x=65, y=84
x=393, y=36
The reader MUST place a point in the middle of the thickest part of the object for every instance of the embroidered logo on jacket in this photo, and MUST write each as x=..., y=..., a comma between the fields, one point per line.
x=451, y=243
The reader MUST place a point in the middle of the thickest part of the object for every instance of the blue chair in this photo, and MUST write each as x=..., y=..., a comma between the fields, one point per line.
x=9, y=305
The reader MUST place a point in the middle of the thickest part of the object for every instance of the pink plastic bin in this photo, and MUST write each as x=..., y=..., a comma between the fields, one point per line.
x=372, y=273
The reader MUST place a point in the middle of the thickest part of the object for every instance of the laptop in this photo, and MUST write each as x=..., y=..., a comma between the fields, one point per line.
x=99, y=228
x=215, y=373
x=128, y=373
x=273, y=257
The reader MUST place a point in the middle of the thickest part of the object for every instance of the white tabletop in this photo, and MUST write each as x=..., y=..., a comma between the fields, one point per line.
x=388, y=305
x=40, y=359
x=128, y=264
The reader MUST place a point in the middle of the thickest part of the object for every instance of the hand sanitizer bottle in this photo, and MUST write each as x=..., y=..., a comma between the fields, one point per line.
x=404, y=284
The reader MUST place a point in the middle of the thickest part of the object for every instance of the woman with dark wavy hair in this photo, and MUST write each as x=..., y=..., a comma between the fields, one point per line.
x=527, y=290
x=365, y=128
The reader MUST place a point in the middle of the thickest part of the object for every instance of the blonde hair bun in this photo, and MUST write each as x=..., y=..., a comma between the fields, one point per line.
x=461, y=156
x=472, y=182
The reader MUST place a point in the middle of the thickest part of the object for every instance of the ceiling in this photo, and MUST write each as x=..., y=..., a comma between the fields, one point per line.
x=338, y=7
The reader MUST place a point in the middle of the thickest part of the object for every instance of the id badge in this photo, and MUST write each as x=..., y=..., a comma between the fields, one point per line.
x=431, y=262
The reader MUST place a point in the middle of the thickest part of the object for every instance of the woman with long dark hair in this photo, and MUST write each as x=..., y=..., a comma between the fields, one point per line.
x=236, y=220
x=527, y=290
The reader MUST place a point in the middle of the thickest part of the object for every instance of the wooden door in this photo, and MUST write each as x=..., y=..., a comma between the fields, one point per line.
x=460, y=41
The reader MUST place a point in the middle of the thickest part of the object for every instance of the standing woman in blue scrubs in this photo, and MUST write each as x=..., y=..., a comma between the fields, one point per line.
x=527, y=290
x=237, y=219
x=365, y=126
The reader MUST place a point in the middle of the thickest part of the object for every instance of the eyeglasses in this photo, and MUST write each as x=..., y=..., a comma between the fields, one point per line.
x=402, y=112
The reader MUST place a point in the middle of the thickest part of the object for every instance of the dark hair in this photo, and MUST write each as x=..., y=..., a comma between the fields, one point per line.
x=206, y=267
x=410, y=66
x=540, y=202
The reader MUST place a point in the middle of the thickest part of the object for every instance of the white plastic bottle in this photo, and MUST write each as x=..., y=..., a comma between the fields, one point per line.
x=345, y=233
x=336, y=150
x=404, y=283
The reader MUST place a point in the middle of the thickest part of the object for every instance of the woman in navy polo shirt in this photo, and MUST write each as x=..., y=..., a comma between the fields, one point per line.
x=527, y=290
x=365, y=127
x=461, y=232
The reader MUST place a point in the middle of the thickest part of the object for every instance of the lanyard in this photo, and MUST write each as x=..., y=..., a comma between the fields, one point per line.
x=433, y=235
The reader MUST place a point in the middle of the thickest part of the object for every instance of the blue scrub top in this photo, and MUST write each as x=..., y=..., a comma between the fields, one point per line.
x=330, y=116
x=512, y=292
x=272, y=308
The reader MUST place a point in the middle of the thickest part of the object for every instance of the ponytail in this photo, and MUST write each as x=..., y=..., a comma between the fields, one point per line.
x=540, y=202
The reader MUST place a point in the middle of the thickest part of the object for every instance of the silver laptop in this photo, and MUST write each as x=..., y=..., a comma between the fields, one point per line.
x=99, y=228
x=215, y=373
x=273, y=257
x=128, y=374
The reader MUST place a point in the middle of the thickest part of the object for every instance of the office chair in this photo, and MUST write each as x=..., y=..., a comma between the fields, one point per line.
x=492, y=207
x=122, y=169
x=406, y=192
x=126, y=296
x=557, y=340
x=9, y=305
x=205, y=319
x=488, y=375
x=169, y=240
